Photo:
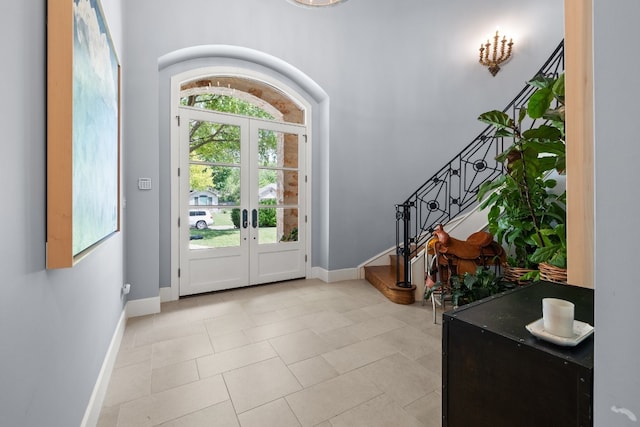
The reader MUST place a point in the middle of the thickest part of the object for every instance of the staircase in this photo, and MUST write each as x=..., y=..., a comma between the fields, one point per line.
x=449, y=197
x=383, y=277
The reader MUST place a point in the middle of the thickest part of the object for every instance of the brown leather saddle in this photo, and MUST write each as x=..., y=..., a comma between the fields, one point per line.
x=454, y=256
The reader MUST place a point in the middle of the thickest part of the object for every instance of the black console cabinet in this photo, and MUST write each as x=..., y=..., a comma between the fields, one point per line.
x=495, y=373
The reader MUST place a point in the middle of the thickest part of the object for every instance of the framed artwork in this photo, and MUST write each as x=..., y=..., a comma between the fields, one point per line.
x=83, y=138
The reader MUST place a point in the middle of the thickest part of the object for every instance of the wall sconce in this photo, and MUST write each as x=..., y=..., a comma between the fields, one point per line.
x=489, y=53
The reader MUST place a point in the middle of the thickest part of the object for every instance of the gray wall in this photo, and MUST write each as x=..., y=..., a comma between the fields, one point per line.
x=617, y=150
x=404, y=87
x=55, y=326
x=380, y=66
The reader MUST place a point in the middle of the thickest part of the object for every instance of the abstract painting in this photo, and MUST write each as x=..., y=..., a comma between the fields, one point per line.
x=83, y=191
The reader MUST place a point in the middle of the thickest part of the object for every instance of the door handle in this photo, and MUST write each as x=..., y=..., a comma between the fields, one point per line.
x=254, y=218
x=245, y=220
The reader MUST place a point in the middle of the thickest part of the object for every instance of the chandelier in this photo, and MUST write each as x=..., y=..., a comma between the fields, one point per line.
x=318, y=3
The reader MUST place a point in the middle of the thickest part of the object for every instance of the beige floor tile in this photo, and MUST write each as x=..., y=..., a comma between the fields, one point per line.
x=313, y=371
x=238, y=295
x=133, y=355
x=227, y=323
x=266, y=318
x=381, y=411
x=375, y=326
x=168, y=332
x=211, y=298
x=219, y=307
x=411, y=342
x=342, y=303
x=432, y=361
x=172, y=404
x=339, y=338
x=323, y=401
x=357, y=316
x=299, y=346
x=129, y=383
x=218, y=415
x=129, y=338
x=401, y=378
x=272, y=330
x=318, y=294
x=264, y=344
x=323, y=321
x=135, y=324
x=259, y=383
x=180, y=349
x=427, y=409
x=182, y=305
x=108, y=416
x=303, y=309
x=433, y=329
x=270, y=302
x=384, y=308
x=234, y=359
x=272, y=414
x=173, y=376
x=187, y=316
x=416, y=315
x=229, y=341
x=359, y=354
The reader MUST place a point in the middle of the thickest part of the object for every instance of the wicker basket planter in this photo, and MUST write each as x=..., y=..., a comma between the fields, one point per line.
x=514, y=274
x=551, y=273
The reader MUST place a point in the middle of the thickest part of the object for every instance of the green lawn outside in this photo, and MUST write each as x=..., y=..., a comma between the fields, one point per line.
x=214, y=238
x=222, y=218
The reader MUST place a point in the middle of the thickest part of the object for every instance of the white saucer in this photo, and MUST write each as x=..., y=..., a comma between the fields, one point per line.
x=581, y=331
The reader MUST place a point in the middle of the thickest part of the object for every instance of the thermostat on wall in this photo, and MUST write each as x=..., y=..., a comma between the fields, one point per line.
x=144, y=183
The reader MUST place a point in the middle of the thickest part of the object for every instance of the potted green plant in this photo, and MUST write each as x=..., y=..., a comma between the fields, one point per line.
x=551, y=253
x=468, y=288
x=524, y=211
x=473, y=287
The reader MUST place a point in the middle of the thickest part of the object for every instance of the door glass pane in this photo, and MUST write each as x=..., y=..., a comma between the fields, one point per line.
x=277, y=149
x=214, y=179
x=221, y=98
x=214, y=142
x=277, y=167
x=279, y=187
x=277, y=225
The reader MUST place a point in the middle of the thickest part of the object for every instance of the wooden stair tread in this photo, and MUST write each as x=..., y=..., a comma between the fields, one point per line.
x=383, y=278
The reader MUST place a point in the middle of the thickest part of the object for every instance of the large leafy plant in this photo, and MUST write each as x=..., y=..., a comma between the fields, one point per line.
x=524, y=212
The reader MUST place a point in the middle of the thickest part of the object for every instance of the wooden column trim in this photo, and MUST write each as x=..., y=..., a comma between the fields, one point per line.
x=580, y=142
x=59, y=134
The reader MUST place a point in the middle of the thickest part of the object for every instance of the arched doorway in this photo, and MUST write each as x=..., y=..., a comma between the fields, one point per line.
x=240, y=146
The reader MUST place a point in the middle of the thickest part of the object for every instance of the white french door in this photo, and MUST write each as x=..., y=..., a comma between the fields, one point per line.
x=242, y=201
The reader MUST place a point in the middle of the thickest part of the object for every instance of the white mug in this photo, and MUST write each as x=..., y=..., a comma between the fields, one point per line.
x=558, y=316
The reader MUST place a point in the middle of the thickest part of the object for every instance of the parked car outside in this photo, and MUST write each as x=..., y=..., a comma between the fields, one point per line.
x=200, y=219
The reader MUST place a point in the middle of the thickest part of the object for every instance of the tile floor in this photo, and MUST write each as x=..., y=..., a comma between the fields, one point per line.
x=298, y=353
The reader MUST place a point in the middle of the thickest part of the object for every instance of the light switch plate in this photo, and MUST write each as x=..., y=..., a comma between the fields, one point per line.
x=144, y=183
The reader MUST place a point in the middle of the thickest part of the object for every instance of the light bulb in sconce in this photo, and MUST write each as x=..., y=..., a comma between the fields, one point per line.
x=495, y=51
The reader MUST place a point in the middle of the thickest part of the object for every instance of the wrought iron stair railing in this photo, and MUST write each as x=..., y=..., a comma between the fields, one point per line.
x=453, y=189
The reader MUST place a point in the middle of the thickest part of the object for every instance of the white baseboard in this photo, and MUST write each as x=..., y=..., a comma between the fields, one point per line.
x=334, y=275
x=319, y=273
x=92, y=413
x=142, y=307
x=166, y=294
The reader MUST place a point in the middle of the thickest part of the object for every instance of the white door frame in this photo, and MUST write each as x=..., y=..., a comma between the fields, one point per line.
x=176, y=82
